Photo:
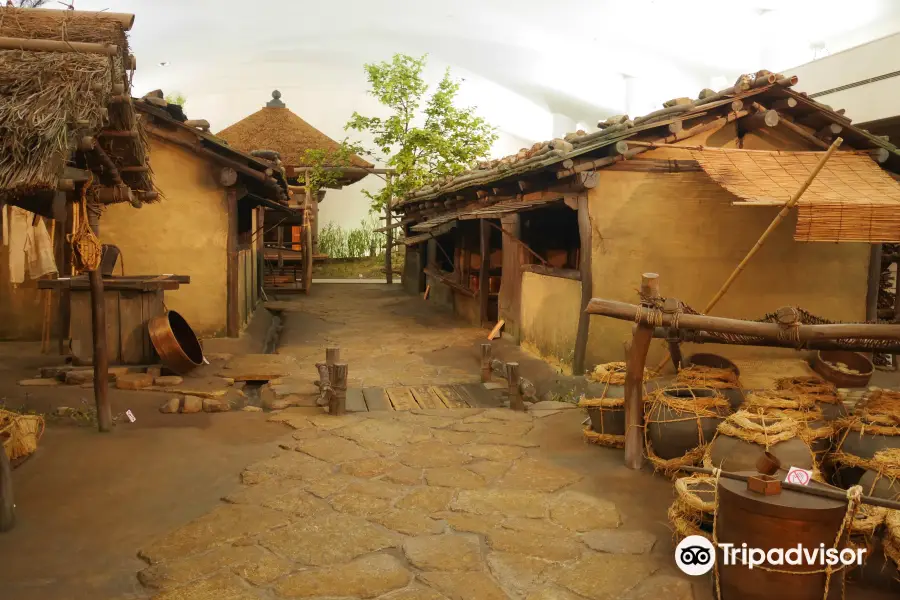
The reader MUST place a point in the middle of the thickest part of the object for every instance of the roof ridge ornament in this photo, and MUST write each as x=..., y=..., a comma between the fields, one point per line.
x=275, y=102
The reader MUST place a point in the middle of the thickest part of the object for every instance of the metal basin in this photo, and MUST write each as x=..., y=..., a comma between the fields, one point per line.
x=175, y=342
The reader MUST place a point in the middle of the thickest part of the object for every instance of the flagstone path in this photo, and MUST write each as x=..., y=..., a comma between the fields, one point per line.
x=421, y=505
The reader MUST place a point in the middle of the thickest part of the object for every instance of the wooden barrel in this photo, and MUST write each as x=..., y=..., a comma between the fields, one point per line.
x=780, y=521
x=673, y=432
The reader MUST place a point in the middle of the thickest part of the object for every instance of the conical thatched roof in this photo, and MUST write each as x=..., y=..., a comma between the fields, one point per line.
x=275, y=127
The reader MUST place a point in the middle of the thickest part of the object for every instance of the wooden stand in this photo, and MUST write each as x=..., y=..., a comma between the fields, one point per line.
x=634, y=380
x=389, y=235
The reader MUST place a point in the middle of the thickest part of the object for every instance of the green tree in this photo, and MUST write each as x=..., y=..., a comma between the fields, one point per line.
x=423, y=138
x=176, y=98
x=318, y=160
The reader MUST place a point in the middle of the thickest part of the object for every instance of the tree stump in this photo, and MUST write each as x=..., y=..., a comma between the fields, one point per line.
x=338, y=403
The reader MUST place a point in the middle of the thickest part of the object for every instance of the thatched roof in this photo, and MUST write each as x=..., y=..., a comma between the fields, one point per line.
x=51, y=99
x=275, y=127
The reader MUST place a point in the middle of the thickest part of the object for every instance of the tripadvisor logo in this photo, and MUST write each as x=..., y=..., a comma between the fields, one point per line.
x=696, y=555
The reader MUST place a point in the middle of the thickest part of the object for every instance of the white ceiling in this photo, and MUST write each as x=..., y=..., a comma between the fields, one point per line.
x=536, y=69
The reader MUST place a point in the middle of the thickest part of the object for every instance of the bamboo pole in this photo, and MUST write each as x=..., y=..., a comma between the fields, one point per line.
x=775, y=222
x=9, y=43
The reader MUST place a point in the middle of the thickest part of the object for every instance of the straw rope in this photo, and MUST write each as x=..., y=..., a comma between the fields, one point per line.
x=867, y=520
x=613, y=373
x=20, y=433
x=601, y=402
x=765, y=399
x=708, y=377
x=603, y=439
x=687, y=512
x=752, y=427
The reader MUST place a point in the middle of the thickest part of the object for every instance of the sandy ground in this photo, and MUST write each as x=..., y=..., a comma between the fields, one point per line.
x=88, y=502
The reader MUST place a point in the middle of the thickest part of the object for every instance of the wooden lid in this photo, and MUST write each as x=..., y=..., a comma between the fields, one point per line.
x=788, y=504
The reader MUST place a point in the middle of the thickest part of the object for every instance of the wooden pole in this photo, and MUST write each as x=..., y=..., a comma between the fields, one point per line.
x=232, y=318
x=774, y=224
x=338, y=404
x=874, y=282
x=515, y=239
x=307, y=237
x=584, y=266
x=98, y=333
x=485, y=363
x=771, y=331
x=703, y=337
x=280, y=242
x=332, y=356
x=636, y=359
x=484, y=270
x=515, y=393
x=389, y=234
x=324, y=383
x=10, y=43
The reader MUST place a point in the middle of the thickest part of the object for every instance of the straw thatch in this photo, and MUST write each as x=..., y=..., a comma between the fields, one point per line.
x=277, y=128
x=49, y=99
x=851, y=200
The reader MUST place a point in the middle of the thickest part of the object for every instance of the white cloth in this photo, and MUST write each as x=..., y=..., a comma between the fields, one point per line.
x=28, y=246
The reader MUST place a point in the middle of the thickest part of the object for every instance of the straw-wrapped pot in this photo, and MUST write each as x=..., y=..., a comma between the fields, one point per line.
x=745, y=436
x=681, y=419
x=874, y=426
x=715, y=372
x=822, y=392
x=882, y=474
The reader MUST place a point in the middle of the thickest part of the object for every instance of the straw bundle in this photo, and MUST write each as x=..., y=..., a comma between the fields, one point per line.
x=892, y=536
x=807, y=385
x=601, y=403
x=759, y=429
x=613, y=373
x=610, y=440
x=707, y=377
x=20, y=433
x=867, y=519
x=695, y=503
x=44, y=94
x=774, y=399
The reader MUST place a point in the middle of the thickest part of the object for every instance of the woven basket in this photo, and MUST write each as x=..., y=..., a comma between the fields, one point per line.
x=20, y=433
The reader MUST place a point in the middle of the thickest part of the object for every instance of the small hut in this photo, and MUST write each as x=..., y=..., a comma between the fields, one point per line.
x=276, y=132
x=685, y=192
x=69, y=146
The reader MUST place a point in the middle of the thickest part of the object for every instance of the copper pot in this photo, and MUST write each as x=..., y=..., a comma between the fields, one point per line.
x=175, y=342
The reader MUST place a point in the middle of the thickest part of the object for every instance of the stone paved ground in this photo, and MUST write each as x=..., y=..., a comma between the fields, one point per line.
x=423, y=505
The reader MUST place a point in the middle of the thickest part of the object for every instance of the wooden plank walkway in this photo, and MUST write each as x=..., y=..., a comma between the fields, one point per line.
x=424, y=396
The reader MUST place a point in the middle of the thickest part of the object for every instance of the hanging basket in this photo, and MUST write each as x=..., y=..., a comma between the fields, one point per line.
x=20, y=433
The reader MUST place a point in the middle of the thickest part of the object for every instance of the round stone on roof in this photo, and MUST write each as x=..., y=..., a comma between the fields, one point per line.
x=276, y=94
x=275, y=102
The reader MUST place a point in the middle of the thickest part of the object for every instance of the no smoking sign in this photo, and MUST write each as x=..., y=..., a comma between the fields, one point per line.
x=798, y=476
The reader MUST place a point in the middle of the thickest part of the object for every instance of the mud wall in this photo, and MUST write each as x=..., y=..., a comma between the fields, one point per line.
x=549, y=317
x=185, y=233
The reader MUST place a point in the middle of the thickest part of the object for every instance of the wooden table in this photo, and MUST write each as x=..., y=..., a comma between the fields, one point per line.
x=130, y=302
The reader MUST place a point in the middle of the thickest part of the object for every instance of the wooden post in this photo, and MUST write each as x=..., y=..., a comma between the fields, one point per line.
x=484, y=271
x=670, y=308
x=338, y=404
x=98, y=333
x=232, y=319
x=485, y=363
x=634, y=380
x=874, y=282
x=515, y=392
x=389, y=234
x=279, y=232
x=514, y=256
x=332, y=356
x=308, y=250
x=584, y=265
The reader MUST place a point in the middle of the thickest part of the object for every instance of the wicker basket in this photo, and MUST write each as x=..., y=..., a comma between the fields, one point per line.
x=20, y=433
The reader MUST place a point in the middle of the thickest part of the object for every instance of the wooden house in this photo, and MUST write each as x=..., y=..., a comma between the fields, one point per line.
x=208, y=225
x=276, y=132
x=684, y=192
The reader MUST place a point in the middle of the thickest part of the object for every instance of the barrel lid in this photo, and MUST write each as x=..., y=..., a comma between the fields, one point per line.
x=787, y=504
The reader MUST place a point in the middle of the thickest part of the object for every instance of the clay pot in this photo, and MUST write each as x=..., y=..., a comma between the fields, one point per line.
x=735, y=396
x=883, y=486
x=674, y=433
x=864, y=446
x=733, y=454
x=832, y=412
x=608, y=420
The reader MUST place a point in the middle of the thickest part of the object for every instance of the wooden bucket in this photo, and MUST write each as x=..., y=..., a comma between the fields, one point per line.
x=780, y=521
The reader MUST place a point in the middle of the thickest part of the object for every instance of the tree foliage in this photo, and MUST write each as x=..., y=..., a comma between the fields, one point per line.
x=424, y=138
x=317, y=160
x=31, y=3
x=176, y=98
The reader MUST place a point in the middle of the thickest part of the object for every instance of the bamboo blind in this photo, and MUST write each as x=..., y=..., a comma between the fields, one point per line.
x=851, y=200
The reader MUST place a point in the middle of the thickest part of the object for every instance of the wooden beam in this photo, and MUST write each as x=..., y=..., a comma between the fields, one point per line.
x=770, y=331
x=515, y=239
x=574, y=274
x=584, y=266
x=873, y=284
x=634, y=378
x=484, y=270
x=388, y=266
x=703, y=337
x=32, y=45
x=515, y=257
x=232, y=319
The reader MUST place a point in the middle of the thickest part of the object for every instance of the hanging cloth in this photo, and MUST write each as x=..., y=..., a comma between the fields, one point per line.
x=29, y=246
x=40, y=254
